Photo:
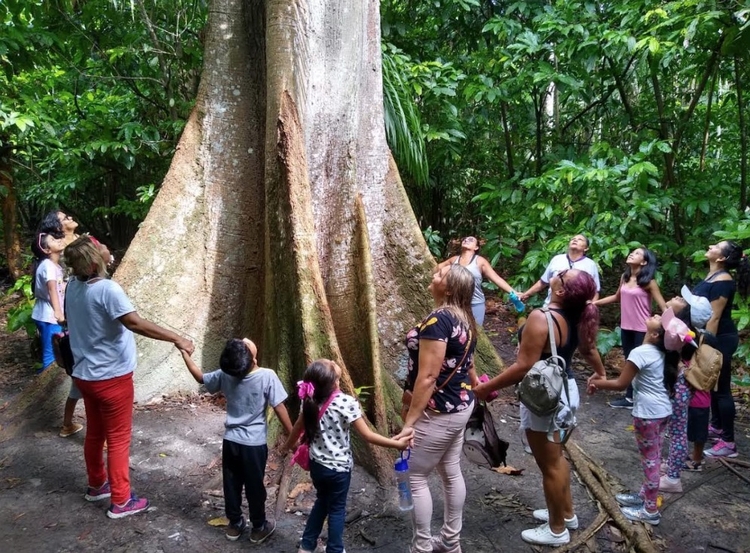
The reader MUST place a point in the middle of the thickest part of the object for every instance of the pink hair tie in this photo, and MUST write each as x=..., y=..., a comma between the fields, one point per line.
x=305, y=389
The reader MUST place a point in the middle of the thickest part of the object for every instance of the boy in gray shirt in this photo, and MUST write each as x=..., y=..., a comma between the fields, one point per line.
x=249, y=390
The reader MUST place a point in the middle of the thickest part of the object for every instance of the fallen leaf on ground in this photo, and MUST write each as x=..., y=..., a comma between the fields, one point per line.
x=614, y=534
x=509, y=470
x=13, y=482
x=300, y=488
x=219, y=521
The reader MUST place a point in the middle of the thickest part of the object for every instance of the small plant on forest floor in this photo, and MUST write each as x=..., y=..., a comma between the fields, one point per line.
x=20, y=316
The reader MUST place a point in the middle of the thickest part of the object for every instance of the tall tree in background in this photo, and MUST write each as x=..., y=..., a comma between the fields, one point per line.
x=283, y=216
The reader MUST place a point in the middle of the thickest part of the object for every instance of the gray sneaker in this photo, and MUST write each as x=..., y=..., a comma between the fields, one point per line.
x=629, y=499
x=621, y=403
x=640, y=514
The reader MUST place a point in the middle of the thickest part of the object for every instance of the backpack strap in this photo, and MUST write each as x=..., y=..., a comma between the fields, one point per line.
x=326, y=404
x=551, y=331
x=458, y=366
x=553, y=347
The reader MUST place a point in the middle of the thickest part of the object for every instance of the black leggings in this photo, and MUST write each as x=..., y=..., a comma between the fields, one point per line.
x=630, y=340
x=722, y=402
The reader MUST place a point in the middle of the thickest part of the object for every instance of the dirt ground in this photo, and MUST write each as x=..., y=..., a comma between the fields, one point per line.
x=176, y=464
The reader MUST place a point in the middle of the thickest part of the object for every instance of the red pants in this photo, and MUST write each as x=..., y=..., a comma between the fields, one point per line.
x=109, y=415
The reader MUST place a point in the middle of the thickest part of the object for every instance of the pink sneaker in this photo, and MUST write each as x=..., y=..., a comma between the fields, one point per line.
x=95, y=494
x=722, y=449
x=714, y=433
x=132, y=506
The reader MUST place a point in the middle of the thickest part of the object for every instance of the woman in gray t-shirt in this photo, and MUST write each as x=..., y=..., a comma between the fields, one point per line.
x=101, y=321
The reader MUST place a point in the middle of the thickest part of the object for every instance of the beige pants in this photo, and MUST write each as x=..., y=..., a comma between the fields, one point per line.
x=438, y=440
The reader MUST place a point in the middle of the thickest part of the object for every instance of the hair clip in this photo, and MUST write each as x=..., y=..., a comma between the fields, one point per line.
x=305, y=389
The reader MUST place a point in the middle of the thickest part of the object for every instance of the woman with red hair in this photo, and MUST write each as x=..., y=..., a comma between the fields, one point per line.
x=575, y=321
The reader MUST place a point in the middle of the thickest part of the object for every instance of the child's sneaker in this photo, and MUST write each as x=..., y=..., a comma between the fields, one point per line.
x=543, y=535
x=132, y=506
x=629, y=499
x=234, y=531
x=95, y=494
x=714, y=433
x=67, y=431
x=670, y=485
x=259, y=535
x=722, y=449
x=621, y=403
x=640, y=514
x=693, y=466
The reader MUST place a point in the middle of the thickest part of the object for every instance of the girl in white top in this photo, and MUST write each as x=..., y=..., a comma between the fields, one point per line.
x=653, y=371
x=331, y=462
x=49, y=290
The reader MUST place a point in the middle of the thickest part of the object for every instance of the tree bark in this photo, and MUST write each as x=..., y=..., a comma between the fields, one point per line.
x=12, y=243
x=743, y=131
x=283, y=216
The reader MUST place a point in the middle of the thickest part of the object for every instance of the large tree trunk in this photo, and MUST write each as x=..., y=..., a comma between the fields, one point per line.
x=283, y=216
x=11, y=242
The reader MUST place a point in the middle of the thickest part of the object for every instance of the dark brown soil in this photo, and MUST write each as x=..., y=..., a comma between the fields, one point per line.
x=176, y=463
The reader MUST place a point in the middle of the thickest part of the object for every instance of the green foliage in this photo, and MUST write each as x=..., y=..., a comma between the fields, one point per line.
x=608, y=339
x=363, y=394
x=403, y=126
x=94, y=104
x=435, y=242
x=19, y=316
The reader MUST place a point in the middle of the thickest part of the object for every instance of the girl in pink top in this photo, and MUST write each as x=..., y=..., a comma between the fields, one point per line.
x=638, y=289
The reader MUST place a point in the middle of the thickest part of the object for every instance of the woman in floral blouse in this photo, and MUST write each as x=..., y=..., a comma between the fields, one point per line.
x=441, y=377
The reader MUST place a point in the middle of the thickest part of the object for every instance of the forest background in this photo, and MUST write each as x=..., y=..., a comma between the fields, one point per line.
x=519, y=122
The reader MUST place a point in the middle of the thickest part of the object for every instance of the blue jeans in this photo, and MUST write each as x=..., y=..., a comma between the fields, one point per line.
x=332, y=488
x=46, y=330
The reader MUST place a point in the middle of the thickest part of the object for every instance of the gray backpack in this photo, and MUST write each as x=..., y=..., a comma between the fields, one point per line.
x=542, y=387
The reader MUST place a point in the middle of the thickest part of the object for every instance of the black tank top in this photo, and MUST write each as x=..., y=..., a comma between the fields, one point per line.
x=567, y=349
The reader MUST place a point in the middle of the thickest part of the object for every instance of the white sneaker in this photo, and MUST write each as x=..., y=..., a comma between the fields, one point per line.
x=542, y=515
x=543, y=535
x=669, y=485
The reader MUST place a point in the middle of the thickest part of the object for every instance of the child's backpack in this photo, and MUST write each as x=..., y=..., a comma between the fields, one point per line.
x=301, y=455
x=705, y=365
x=482, y=445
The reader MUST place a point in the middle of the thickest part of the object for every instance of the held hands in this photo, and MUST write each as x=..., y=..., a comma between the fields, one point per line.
x=482, y=391
x=405, y=440
x=59, y=317
x=591, y=386
x=407, y=432
x=185, y=346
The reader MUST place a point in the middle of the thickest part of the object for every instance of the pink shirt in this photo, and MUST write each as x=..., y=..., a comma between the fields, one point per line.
x=635, y=308
x=700, y=399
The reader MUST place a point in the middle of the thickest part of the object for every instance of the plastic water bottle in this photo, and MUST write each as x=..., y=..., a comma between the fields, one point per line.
x=401, y=467
x=517, y=303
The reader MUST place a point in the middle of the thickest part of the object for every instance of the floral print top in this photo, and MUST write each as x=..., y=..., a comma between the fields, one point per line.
x=443, y=325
